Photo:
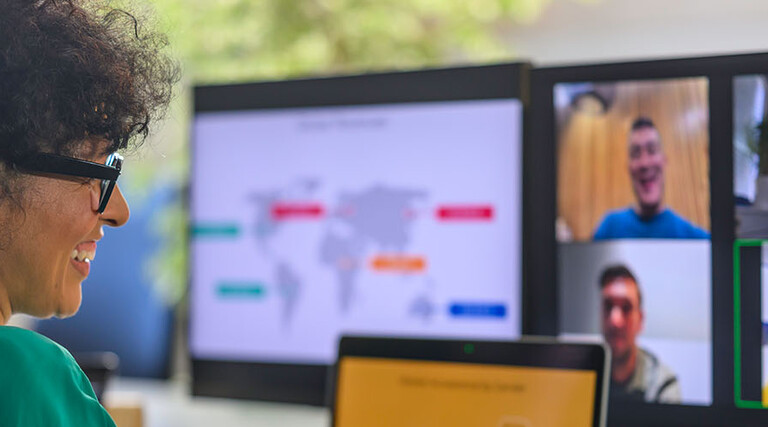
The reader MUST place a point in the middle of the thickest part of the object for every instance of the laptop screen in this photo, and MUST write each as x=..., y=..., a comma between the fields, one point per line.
x=394, y=391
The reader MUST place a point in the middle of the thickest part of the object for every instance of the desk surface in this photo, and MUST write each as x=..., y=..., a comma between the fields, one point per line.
x=168, y=403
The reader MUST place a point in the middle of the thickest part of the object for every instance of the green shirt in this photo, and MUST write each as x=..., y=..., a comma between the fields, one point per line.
x=42, y=385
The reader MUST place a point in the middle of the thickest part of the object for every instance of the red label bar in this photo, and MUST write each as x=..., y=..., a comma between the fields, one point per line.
x=283, y=211
x=465, y=213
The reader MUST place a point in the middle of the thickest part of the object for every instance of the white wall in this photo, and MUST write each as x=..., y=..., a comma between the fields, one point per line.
x=578, y=31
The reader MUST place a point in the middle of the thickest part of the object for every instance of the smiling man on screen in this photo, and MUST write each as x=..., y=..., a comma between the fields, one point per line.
x=649, y=218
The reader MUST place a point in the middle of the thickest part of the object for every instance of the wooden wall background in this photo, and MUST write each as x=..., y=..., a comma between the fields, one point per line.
x=592, y=152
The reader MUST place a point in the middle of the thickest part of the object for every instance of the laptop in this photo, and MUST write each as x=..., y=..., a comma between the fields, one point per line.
x=419, y=382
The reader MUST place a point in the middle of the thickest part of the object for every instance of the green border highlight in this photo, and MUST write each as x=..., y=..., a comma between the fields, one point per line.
x=228, y=230
x=240, y=290
x=738, y=244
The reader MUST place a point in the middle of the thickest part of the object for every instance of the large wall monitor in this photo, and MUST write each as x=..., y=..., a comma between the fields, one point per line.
x=639, y=206
x=385, y=204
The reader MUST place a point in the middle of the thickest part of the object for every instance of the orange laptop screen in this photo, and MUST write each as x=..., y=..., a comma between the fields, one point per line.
x=390, y=392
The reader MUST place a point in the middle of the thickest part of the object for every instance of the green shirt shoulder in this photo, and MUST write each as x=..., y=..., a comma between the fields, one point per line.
x=42, y=385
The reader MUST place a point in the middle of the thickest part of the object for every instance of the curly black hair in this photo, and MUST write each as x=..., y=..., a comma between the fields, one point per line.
x=71, y=70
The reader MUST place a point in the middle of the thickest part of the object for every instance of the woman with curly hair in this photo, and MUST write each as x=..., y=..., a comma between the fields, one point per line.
x=78, y=82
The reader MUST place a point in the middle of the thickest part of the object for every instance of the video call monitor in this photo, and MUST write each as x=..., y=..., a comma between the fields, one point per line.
x=386, y=204
x=406, y=382
x=642, y=228
x=634, y=230
x=750, y=189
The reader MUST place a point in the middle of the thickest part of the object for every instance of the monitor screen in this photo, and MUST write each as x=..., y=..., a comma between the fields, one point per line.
x=393, y=220
x=633, y=230
x=654, y=223
x=417, y=382
x=389, y=392
x=751, y=323
x=397, y=213
x=750, y=189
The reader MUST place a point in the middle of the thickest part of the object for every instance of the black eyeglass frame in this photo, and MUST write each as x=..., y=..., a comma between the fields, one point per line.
x=62, y=165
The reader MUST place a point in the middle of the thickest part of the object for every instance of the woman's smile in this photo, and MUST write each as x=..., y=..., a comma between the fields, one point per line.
x=82, y=256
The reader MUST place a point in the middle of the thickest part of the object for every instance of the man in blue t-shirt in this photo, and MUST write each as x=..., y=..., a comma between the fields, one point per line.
x=650, y=218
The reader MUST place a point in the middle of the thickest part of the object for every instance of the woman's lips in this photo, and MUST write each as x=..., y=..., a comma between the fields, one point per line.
x=83, y=267
x=82, y=255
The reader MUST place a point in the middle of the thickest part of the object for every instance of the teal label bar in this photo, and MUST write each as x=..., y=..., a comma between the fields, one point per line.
x=214, y=230
x=240, y=290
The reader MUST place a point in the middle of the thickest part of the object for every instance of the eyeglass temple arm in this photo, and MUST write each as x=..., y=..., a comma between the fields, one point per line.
x=51, y=163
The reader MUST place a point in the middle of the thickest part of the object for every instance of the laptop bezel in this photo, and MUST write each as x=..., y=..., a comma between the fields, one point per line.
x=527, y=352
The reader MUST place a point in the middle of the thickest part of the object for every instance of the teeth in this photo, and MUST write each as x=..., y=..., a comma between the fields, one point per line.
x=83, y=256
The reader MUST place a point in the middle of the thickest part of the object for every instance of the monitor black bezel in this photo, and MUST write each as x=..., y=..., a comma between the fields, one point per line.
x=306, y=383
x=720, y=71
x=530, y=352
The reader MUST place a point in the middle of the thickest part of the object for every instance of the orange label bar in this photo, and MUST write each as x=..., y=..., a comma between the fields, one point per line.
x=283, y=211
x=399, y=264
x=465, y=213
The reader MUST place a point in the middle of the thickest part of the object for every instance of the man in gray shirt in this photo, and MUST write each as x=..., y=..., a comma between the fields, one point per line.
x=636, y=374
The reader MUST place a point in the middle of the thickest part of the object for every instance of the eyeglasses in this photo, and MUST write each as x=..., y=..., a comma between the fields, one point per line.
x=52, y=163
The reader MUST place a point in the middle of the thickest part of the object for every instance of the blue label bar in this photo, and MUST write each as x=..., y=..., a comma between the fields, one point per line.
x=478, y=310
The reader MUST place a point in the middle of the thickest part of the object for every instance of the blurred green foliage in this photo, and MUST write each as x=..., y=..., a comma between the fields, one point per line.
x=229, y=41
x=238, y=40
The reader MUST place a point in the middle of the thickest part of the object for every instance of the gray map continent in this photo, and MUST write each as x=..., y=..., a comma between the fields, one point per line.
x=422, y=307
x=289, y=287
x=378, y=216
x=289, y=284
x=265, y=227
x=343, y=254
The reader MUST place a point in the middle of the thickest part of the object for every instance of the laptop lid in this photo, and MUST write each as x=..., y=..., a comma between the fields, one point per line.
x=416, y=382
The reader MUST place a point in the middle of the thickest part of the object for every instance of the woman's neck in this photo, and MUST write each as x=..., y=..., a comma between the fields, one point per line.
x=5, y=306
